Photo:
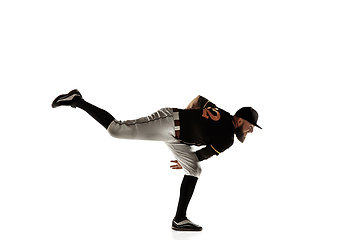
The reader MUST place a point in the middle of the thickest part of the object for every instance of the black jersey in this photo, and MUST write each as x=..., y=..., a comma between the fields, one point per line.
x=210, y=126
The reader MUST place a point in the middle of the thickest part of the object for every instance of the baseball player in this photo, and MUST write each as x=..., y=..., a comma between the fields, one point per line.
x=202, y=123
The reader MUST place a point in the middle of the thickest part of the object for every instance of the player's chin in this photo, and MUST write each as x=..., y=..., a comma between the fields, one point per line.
x=240, y=135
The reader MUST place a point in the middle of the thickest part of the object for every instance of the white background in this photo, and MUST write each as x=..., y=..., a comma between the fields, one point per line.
x=295, y=62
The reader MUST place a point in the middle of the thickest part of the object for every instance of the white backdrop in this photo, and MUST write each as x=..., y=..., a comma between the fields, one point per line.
x=296, y=62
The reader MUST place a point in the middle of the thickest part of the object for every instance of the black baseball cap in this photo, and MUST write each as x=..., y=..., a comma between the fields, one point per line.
x=249, y=114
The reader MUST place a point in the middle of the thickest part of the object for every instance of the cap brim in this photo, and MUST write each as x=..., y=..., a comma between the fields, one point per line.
x=258, y=126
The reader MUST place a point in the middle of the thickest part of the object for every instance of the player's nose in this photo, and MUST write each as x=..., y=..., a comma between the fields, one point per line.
x=251, y=129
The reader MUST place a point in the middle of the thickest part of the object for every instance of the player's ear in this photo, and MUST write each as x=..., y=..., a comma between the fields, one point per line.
x=240, y=122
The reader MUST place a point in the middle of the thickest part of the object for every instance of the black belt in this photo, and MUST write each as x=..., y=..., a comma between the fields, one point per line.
x=177, y=122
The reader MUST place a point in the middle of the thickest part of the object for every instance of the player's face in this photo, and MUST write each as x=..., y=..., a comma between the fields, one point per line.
x=248, y=127
x=242, y=131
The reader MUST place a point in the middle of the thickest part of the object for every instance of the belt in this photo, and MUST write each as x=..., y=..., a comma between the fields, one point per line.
x=177, y=122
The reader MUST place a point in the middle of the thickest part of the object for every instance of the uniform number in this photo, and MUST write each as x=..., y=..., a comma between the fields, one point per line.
x=207, y=113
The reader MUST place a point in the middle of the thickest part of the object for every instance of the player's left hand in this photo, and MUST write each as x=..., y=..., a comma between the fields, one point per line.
x=176, y=166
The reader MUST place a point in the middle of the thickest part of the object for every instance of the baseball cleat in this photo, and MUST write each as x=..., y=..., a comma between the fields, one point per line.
x=185, y=225
x=67, y=99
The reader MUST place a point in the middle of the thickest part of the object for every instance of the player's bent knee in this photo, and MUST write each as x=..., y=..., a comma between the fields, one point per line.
x=195, y=172
x=199, y=170
x=113, y=130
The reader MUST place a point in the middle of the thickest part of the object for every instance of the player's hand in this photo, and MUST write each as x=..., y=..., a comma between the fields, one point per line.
x=176, y=166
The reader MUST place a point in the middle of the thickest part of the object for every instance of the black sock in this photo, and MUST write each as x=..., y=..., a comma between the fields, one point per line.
x=100, y=115
x=186, y=191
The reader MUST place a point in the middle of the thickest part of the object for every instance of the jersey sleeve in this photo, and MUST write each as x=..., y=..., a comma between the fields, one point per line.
x=205, y=153
x=213, y=149
x=204, y=103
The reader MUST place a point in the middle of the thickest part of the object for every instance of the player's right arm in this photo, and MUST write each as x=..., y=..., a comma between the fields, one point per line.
x=194, y=103
x=200, y=102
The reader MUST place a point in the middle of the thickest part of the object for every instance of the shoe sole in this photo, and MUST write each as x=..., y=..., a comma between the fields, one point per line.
x=186, y=229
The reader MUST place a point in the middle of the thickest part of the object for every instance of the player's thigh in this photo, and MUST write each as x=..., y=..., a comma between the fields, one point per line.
x=186, y=157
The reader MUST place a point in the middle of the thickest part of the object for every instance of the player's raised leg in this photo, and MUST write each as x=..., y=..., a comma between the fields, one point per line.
x=68, y=99
x=74, y=99
x=158, y=126
x=100, y=115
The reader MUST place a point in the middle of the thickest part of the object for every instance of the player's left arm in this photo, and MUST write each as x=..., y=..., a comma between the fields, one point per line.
x=214, y=149
x=206, y=152
x=201, y=154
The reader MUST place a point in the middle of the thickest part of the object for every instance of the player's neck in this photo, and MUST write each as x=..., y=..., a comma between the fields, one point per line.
x=235, y=121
